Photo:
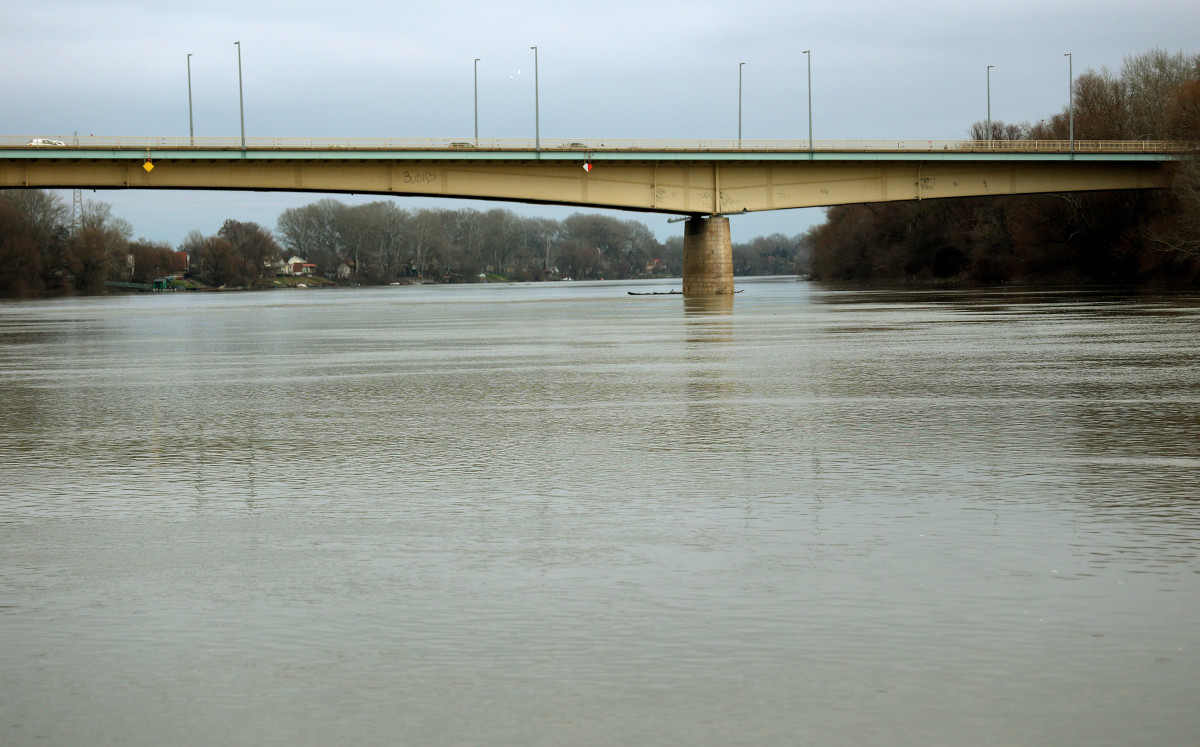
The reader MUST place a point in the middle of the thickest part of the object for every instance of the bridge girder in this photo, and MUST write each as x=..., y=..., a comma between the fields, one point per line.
x=663, y=185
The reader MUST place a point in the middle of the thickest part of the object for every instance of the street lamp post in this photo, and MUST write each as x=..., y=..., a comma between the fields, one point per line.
x=740, y=66
x=1071, y=97
x=989, y=101
x=808, y=53
x=241, y=100
x=191, y=127
x=476, y=102
x=537, y=124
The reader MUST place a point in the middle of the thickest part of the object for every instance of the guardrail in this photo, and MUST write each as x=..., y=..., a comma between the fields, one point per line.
x=590, y=145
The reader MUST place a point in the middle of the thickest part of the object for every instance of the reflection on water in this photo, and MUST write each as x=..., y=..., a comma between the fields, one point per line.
x=700, y=305
x=710, y=383
x=556, y=513
x=709, y=318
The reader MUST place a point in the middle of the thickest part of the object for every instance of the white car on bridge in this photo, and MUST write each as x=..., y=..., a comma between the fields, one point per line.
x=40, y=142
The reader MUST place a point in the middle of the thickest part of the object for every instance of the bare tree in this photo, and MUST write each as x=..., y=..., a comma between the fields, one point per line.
x=1182, y=115
x=149, y=260
x=1179, y=234
x=253, y=244
x=427, y=241
x=1000, y=131
x=99, y=248
x=500, y=239
x=370, y=238
x=1102, y=109
x=1149, y=81
x=312, y=232
x=220, y=261
x=469, y=234
x=33, y=242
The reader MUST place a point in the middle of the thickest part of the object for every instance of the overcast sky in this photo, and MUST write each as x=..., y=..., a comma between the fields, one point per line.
x=617, y=69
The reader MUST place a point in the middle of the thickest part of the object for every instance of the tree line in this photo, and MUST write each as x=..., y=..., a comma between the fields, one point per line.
x=380, y=241
x=48, y=248
x=1109, y=237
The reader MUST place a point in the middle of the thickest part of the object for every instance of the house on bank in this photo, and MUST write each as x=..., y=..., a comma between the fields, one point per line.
x=294, y=267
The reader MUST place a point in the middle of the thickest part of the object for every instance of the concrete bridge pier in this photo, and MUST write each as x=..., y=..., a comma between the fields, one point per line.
x=707, y=256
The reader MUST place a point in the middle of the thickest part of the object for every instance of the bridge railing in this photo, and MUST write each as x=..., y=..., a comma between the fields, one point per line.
x=588, y=145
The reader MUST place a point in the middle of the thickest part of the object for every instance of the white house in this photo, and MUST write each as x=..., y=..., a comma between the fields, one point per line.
x=295, y=266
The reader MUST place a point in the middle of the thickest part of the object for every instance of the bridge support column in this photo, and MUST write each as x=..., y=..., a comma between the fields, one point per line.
x=707, y=256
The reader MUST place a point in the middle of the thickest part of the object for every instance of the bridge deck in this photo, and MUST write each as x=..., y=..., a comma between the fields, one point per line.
x=706, y=177
x=575, y=148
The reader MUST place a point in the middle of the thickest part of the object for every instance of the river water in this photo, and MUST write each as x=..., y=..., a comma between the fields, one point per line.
x=562, y=514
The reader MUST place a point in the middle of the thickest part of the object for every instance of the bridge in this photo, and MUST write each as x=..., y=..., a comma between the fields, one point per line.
x=703, y=180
